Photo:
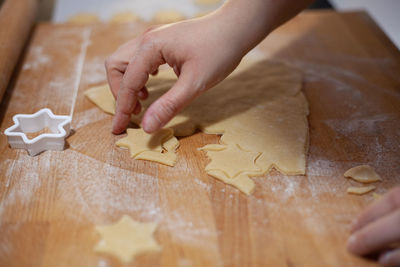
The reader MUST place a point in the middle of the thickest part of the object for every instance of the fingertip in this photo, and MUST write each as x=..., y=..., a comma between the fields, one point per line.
x=352, y=244
x=119, y=123
x=151, y=123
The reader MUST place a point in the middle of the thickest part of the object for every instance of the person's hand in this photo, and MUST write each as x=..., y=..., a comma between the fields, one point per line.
x=377, y=230
x=201, y=53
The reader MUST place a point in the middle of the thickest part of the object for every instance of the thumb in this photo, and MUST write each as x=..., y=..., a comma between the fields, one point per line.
x=171, y=103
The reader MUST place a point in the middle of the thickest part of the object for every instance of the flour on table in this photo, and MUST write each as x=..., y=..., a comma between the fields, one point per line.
x=260, y=109
x=127, y=238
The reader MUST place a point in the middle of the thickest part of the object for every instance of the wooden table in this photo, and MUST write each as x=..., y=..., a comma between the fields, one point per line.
x=49, y=204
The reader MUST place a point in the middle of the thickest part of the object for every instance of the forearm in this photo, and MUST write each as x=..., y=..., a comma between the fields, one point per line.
x=250, y=21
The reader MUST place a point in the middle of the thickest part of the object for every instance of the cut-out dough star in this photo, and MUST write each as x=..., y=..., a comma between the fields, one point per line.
x=150, y=147
x=231, y=159
x=127, y=238
x=241, y=181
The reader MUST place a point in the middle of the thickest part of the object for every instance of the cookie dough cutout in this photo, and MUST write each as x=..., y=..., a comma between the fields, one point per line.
x=101, y=96
x=360, y=190
x=363, y=174
x=84, y=18
x=124, y=17
x=167, y=16
x=127, y=238
x=241, y=182
x=145, y=146
x=231, y=159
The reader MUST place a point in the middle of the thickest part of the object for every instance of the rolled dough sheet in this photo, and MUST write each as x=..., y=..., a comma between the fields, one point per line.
x=127, y=238
x=360, y=190
x=260, y=109
x=363, y=174
x=159, y=147
x=123, y=17
x=167, y=16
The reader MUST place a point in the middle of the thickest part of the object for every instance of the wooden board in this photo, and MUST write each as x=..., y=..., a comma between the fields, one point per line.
x=49, y=204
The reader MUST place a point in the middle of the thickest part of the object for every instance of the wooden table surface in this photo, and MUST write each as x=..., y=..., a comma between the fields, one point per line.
x=49, y=204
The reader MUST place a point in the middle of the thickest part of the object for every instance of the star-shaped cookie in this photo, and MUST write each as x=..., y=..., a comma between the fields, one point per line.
x=231, y=159
x=127, y=238
x=159, y=147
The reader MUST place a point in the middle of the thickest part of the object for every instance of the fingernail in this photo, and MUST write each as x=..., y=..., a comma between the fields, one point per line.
x=385, y=258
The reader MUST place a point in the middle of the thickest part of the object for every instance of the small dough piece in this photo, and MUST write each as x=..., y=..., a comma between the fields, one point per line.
x=84, y=18
x=123, y=17
x=102, y=97
x=168, y=158
x=360, y=190
x=145, y=146
x=127, y=238
x=241, y=182
x=363, y=174
x=167, y=16
x=376, y=196
x=231, y=159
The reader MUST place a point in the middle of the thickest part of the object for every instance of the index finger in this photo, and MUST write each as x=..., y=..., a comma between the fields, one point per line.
x=389, y=202
x=146, y=60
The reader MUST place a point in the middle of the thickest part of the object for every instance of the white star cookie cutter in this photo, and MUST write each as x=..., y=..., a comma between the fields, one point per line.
x=29, y=123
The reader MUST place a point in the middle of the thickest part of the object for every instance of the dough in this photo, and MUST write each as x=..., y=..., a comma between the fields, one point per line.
x=241, y=181
x=360, y=190
x=144, y=146
x=123, y=17
x=231, y=159
x=259, y=108
x=167, y=16
x=207, y=2
x=102, y=97
x=127, y=238
x=376, y=196
x=84, y=18
x=363, y=174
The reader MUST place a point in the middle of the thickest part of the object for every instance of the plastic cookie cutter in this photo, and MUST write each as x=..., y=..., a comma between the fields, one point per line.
x=29, y=123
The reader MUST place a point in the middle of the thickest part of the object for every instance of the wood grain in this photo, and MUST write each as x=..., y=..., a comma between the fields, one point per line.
x=50, y=203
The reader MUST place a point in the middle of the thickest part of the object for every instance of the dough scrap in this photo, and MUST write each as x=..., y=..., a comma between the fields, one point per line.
x=146, y=146
x=167, y=16
x=124, y=17
x=231, y=159
x=360, y=190
x=127, y=238
x=376, y=196
x=83, y=18
x=363, y=174
x=259, y=107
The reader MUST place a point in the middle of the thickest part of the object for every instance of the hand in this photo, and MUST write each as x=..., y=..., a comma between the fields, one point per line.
x=377, y=229
x=200, y=51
